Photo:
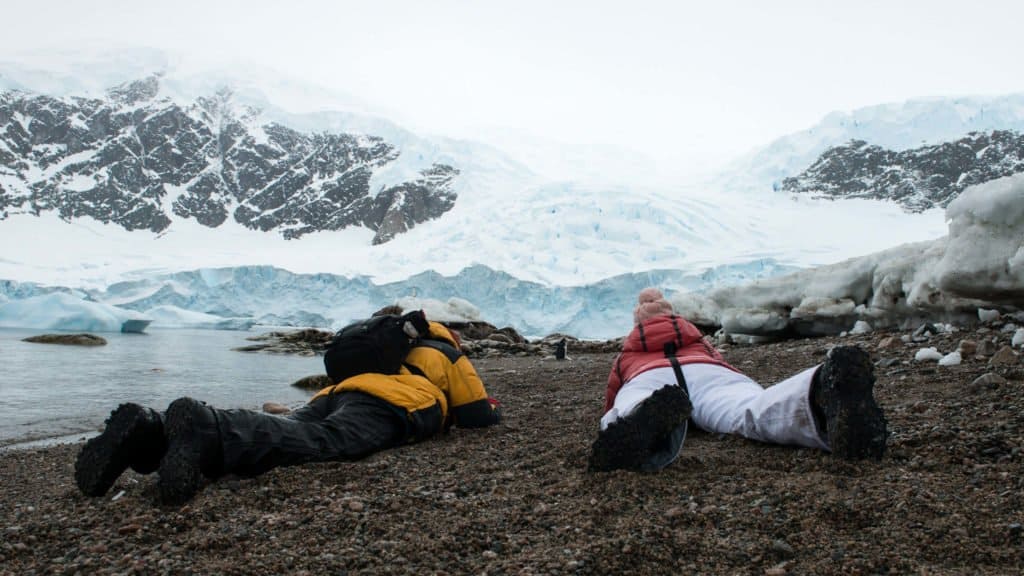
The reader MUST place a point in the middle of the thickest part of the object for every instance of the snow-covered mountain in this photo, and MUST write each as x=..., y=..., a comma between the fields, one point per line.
x=917, y=179
x=316, y=215
x=138, y=160
x=896, y=126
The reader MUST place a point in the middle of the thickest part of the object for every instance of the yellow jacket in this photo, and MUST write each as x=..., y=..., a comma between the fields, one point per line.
x=438, y=357
x=436, y=373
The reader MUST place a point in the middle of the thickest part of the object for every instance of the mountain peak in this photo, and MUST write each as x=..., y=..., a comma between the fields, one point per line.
x=141, y=162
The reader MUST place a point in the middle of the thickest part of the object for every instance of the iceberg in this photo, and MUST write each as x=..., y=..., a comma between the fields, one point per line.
x=59, y=311
x=168, y=316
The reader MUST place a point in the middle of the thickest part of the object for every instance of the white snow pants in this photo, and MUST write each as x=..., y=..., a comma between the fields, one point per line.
x=728, y=402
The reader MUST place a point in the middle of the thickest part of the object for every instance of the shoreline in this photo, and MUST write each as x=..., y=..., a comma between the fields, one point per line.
x=947, y=498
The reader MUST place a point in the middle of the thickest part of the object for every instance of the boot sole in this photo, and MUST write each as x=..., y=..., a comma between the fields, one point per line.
x=856, y=425
x=627, y=442
x=180, y=476
x=105, y=457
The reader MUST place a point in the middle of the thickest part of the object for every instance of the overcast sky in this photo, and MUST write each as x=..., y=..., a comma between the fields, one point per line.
x=692, y=84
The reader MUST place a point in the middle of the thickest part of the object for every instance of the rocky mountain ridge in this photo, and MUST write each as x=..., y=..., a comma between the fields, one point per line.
x=140, y=161
x=917, y=179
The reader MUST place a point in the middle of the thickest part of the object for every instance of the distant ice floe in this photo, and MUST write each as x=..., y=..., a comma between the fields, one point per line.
x=67, y=312
x=973, y=273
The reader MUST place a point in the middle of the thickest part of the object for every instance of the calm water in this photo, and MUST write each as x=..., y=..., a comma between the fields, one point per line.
x=49, y=391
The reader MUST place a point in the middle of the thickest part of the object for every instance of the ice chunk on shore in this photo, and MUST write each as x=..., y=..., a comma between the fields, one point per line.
x=60, y=311
x=927, y=355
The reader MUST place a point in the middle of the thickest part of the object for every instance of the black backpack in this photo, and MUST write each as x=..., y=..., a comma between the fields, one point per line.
x=378, y=344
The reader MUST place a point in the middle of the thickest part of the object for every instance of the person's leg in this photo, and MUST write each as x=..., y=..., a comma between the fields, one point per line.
x=132, y=437
x=646, y=426
x=842, y=393
x=350, y=426
x=203, y=441
x=728, y=402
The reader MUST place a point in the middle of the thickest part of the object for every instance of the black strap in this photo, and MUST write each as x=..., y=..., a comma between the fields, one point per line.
x=670, y=353
x=679, y=334
x=414, y=370
x=445, y=348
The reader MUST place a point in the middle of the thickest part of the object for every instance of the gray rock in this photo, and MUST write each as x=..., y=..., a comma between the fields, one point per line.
x=314, y=382
x=987, y=381
x=499, y=337
x=68, y=339
x=1004, y=357
x=986, y=348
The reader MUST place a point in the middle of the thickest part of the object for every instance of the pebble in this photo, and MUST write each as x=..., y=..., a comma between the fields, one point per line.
x=890, y=343
x=967, y=348
x=783, y=548
x=129, y=529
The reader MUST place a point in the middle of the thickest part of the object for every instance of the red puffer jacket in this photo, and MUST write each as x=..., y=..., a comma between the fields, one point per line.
x=644, y=349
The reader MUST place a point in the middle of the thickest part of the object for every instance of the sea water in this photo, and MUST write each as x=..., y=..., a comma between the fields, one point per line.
x=55, y=392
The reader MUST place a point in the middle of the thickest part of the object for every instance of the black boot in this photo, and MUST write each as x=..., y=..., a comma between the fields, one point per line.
x=193, y=450
x=133, y=436
x=631, y=441
x=842, y=395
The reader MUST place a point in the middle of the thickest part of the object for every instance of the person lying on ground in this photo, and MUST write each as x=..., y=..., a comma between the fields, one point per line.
x=357, y=416
x=668, y=374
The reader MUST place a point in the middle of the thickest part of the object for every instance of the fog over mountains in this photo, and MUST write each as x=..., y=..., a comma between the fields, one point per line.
x=129, y=192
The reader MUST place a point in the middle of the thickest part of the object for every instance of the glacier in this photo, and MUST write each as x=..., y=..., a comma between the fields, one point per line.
x=264, y=295
x=979, y=264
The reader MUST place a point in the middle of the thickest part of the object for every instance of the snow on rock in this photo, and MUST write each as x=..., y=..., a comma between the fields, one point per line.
x=454, y=310
x=861, y=327
x=59, y=311
x=927, y=355
x=980, y=263
x=985, y=255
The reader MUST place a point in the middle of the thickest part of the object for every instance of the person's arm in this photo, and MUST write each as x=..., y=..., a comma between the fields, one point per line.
x=471, y=407
x=614, y=383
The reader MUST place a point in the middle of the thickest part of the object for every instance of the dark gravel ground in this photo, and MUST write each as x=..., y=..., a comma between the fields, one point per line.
x=948, y=498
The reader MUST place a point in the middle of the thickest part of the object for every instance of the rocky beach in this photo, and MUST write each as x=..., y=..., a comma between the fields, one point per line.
x=947, y=498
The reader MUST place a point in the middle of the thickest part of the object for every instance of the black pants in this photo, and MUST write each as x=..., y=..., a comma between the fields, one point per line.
x=344, y=426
